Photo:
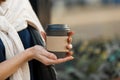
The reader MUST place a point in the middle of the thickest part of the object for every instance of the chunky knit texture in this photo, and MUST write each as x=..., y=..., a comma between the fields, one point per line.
x=15, y=15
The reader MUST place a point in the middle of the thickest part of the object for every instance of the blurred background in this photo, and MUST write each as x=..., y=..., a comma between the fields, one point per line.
x=96, y=42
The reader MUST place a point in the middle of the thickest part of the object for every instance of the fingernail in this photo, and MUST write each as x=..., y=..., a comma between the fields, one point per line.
x=72, y=57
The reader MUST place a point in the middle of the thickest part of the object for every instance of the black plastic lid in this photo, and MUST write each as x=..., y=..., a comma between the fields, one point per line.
x=57, y=27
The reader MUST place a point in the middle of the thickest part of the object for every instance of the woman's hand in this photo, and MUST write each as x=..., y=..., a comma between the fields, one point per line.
x=69, y=46
x=39, y=53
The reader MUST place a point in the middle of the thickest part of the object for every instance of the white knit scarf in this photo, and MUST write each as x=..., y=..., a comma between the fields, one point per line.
x=14, y=17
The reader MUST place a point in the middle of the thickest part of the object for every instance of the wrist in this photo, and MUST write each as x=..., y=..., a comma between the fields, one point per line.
x=29, y=54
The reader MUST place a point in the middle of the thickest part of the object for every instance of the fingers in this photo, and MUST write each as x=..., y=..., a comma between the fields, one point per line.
x=69, y=47
x=39, y=50
x=48, y=61
x=47, y=54
x=70, y=33
x=61, y=60
x=43, y=35
x=45, y=60
x=48, y=58
x=69, y=53
x=69, y=39
x=50, y=55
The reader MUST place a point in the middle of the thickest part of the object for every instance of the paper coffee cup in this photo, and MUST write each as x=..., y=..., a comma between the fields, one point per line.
x=56, y=41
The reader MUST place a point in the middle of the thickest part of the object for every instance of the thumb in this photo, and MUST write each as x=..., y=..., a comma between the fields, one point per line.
x=43, y=35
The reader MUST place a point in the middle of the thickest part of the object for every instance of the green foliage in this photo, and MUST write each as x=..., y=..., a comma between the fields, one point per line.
x=94, y=60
